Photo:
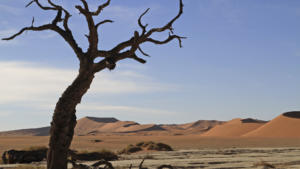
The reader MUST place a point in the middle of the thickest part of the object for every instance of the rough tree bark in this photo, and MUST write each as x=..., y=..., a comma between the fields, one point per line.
x=64, y=120
x=64, y=117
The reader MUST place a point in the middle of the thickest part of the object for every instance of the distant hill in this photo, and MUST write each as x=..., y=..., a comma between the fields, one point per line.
x=97, y=126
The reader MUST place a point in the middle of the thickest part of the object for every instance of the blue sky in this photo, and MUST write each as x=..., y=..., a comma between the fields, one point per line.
x=241, y=59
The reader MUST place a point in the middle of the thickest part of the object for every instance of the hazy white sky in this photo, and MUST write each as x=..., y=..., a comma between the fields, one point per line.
x=241, y=59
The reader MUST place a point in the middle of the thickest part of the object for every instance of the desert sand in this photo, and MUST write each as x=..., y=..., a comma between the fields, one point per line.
x=242, y=143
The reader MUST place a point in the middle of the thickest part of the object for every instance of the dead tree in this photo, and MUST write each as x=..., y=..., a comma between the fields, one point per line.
x=64, y=118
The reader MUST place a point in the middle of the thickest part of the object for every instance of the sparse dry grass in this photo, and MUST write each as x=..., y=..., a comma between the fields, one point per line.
x=35, y=148
x=29, y=167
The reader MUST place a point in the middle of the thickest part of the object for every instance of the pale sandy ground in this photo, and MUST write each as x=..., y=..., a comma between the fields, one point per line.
x=116, y=143
x=229, y=158
x=192, y=151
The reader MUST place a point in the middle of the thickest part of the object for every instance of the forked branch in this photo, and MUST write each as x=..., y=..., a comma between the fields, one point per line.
x=31, y=28
x=123, y=50
x=65, y=33
x=100, y=8
x=134, y=43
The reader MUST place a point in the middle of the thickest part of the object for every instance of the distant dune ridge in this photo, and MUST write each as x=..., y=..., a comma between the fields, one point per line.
x=234, y=128
x=97, y=126
x=286, y=125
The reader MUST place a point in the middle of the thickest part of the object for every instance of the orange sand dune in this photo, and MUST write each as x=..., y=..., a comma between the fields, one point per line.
x=88, y=124
x=139, y=128
x=204, y=124
x=113, y=127
x=286, y=125
x=234, y=128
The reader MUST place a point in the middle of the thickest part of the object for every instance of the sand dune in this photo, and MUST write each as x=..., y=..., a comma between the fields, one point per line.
x=43, y=131
x=201, y=124
x=111, y=126
x=234, y=128
x=87, y=124
x=286, y=125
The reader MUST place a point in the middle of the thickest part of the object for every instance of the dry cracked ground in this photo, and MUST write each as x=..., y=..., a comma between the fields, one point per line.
x=230, y=158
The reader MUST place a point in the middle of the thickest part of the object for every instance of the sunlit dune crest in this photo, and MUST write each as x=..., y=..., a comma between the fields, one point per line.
x=286, y=125
x=234, y=128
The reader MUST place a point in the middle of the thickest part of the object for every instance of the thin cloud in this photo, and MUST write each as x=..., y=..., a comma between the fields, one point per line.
x=9, y=9
x=26, y=82
x=122, y=109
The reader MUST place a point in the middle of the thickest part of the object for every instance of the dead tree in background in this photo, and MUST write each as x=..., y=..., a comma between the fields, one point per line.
x=64, y=118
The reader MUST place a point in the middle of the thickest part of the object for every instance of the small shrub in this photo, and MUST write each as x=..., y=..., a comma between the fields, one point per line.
x=24, y=156
x=140, y=144
x=92, y=156
x=149, y=145
x=130, y=149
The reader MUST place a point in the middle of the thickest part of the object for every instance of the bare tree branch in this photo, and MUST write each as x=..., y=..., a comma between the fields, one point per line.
x=100, y=8
x=170, y=38
x=29, y=4
x=40, y=5
x=141, y=165
x=40, y=28
x=93, y=34
x=110, y=57
x=140, y=22
x=66, y=34
x=103, y=22
x=145, y=54
x=168, y=25
x=107, y=164
x=138, y=59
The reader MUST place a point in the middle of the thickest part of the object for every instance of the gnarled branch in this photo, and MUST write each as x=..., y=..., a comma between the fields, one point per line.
x=170, y=38
x=140, y=22
x=31, y=28
x=133, y=44
x=110, y=57
x=66, y=34
x=100, y=8
x=103, y=22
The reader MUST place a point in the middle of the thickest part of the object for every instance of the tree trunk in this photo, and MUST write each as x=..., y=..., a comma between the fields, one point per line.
x=64, y=121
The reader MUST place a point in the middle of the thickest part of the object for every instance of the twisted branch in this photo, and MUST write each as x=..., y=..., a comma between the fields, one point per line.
x=137, y=39
x=140, y=22
x=100, y=8
x=110, y=57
